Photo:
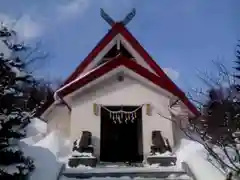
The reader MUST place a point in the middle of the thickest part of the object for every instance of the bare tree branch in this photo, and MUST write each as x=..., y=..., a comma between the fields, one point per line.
x=194, y=129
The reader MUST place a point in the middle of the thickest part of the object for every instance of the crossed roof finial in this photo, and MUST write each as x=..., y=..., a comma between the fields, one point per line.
x=111, y=22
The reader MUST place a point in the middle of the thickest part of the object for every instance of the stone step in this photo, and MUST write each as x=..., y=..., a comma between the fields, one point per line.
x=162, y=160
x=128, y=172
x=128, y=178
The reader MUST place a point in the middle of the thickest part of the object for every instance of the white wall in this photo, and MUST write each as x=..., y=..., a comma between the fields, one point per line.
x=112, y=92
x=58, y=118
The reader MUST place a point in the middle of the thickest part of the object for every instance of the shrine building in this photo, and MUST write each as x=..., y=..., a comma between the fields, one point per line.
x=120, y=95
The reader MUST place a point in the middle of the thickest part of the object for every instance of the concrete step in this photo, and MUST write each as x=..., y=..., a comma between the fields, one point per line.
x=127, y=172
x=127, y=178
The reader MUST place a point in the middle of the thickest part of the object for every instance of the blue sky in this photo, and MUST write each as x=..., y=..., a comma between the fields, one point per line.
x=183, y=36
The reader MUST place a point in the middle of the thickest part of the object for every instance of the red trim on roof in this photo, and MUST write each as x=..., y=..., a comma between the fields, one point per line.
x=97, y=49
x=137, y=46
x=118, y=28
x=161, y=81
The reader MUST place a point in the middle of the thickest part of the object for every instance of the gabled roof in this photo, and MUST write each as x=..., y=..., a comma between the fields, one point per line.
x=75, y=81
x=117, y=28
x=161, y=81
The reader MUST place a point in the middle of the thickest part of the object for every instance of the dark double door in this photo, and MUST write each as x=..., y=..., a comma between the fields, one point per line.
x=121, y=142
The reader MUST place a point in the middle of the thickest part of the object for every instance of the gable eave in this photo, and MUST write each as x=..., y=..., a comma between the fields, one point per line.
x=113, y=76
x=96, y=50
x=162, y=82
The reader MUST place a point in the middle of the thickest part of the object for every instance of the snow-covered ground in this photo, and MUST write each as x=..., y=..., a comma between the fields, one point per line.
x=50, y=151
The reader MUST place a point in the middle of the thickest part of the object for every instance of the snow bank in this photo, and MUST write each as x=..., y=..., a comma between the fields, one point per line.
x=47, y=166
x=45, y=152
x=35, y=131
x=31, y=140
x=195, y=156
x=187, y=149
x=36, y=135
x=36, y=127
x=232, y=155
x=56, y=143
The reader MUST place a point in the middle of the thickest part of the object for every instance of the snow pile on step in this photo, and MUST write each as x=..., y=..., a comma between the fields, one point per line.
x=166, y=154
x=195, y=156
x=82, y=154
x=80, y=166
x=170, y=177
x=100, y=170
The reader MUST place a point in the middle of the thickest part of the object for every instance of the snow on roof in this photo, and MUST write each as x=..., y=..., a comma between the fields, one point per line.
x=78, y=78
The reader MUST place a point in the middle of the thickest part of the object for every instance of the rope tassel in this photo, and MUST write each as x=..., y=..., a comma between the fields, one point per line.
x=118, y=116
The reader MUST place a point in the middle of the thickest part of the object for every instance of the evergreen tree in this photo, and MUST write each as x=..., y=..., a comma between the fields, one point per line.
x=14, y=115
x=237, y=62
x=221, y=115
x=38, y=94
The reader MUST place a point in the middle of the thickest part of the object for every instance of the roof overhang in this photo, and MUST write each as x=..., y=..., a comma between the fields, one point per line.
x=160, y=81
x=112, y=75
x=83, y=75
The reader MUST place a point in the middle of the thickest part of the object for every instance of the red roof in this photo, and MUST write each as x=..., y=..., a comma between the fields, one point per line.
x=118, y=28
x=161, y=81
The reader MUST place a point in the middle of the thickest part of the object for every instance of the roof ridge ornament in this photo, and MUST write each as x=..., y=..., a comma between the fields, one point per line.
x=111, y=22
x=106, y=17
x=129, y=17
